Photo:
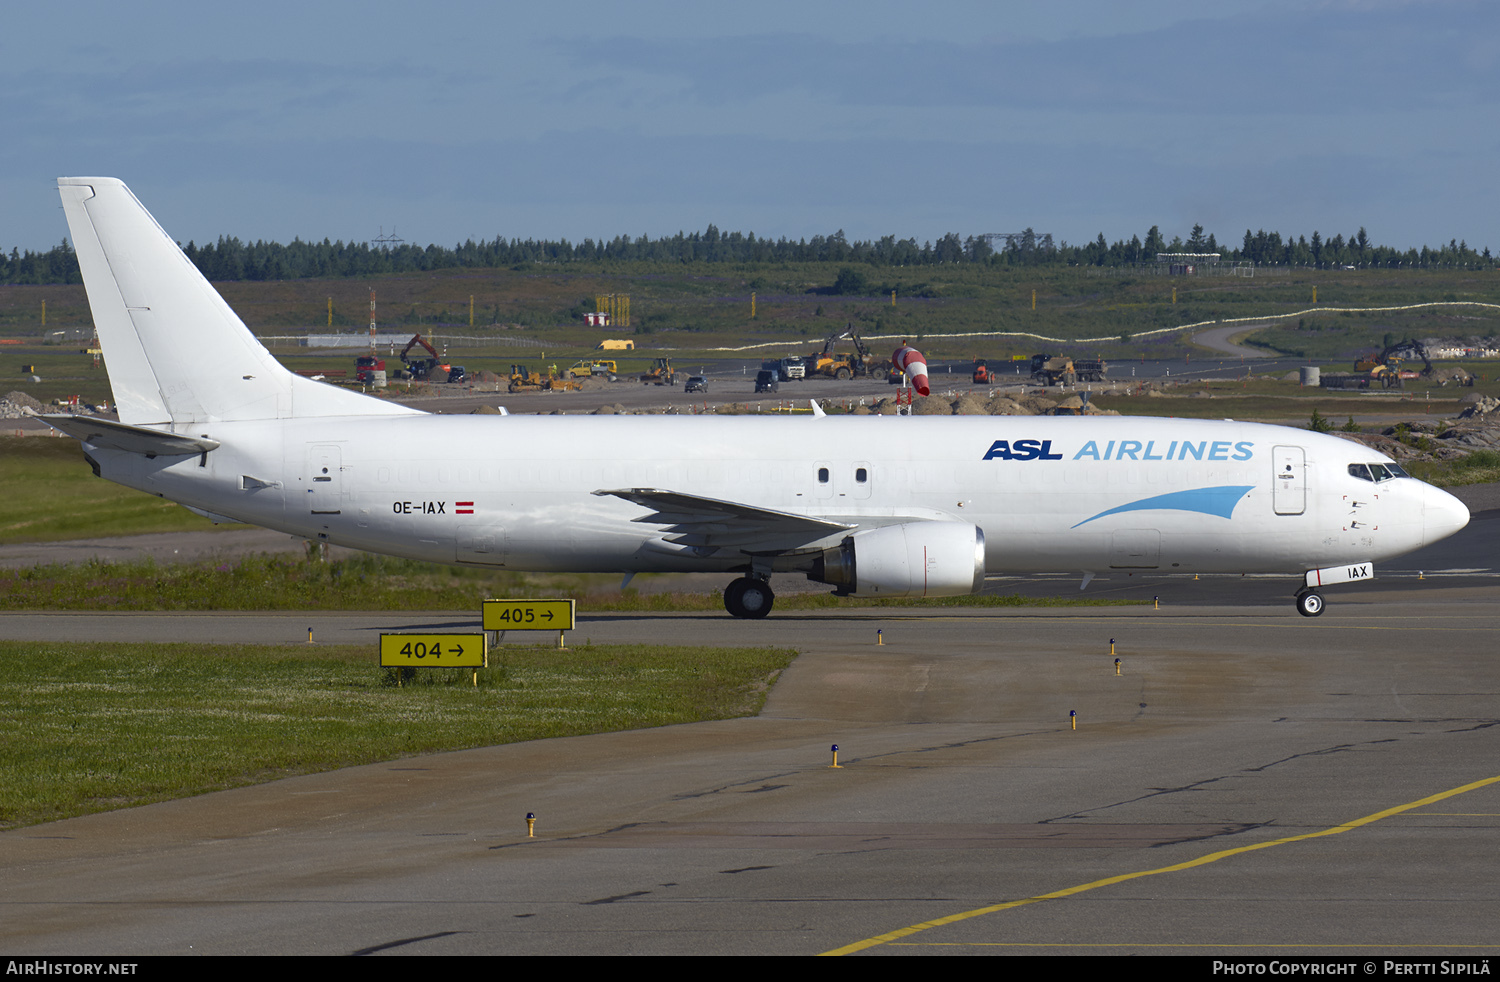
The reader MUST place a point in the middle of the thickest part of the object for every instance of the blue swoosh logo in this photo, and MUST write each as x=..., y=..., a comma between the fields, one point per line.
x=1208, y=501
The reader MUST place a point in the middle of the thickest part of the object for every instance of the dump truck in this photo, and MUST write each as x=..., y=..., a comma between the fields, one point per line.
x=1089, y=371
x=1051, y=369
x=1343, y=380
x=786, y=369
x=365, y=367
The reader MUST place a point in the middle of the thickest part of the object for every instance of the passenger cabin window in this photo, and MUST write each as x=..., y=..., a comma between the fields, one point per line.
x=861, y=475
x=822, y=475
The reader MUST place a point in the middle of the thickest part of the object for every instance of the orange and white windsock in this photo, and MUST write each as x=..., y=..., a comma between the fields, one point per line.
x=910, y=361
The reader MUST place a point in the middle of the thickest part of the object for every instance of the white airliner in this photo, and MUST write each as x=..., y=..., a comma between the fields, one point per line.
x=876, y=506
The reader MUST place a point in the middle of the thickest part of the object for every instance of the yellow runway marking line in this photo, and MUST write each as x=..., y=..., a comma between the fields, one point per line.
x=1212, y=857
x=1376, y=945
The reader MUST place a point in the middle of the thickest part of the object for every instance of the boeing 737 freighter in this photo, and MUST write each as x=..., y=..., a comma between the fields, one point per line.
x=875, y=506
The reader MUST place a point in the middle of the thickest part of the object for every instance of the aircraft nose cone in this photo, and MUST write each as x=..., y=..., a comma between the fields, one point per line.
x=1442, y=515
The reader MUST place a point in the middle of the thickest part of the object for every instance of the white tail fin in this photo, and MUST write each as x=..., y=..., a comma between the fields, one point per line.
x=175, y=351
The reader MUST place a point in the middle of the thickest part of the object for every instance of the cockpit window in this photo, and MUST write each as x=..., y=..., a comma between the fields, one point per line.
x=1376, y=472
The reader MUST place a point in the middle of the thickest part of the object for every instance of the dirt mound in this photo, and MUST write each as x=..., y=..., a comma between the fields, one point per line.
x=970, y=404
x=18, y=398
x=1006, y=406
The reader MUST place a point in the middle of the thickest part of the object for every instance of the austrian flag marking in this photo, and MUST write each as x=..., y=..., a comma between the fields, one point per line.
x=463, y=508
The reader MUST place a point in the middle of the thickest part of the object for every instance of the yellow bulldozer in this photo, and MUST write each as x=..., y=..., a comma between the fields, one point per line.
x=523, y=379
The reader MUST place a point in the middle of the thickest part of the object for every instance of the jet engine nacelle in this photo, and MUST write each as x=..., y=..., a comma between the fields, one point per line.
x=917, y=559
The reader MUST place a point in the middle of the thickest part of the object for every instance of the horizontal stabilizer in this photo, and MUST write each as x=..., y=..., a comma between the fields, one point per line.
x=131, y=439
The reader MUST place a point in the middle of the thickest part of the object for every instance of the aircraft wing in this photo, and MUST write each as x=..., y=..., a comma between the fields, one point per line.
x=708, y=522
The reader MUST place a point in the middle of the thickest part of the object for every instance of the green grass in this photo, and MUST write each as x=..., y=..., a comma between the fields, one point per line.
x=1479, y=467
x=368, y=582
x=93, y=727
x=50, y=494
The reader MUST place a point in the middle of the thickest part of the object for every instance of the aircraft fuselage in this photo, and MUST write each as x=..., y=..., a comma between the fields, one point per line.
x=1049, y=493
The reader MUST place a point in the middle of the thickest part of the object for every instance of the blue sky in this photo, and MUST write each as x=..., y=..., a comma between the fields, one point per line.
x=471, y=120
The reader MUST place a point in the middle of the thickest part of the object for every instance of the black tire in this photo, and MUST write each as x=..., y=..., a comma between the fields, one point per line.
x=748, y=597
x=1310, y=603
x=841, y=373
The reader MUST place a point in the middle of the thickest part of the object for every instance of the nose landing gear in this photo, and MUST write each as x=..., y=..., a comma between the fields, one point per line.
x=1309, y=603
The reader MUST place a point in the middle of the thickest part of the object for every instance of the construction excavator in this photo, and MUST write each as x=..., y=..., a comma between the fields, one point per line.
x=1386, y=366
x=831, y=365
x=418, y=369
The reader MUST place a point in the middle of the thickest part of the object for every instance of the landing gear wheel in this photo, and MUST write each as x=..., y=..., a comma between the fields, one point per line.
x=1309, y=603
x=748, y=597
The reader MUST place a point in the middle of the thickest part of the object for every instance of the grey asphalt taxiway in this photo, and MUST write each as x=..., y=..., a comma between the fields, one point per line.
x=1249, y=782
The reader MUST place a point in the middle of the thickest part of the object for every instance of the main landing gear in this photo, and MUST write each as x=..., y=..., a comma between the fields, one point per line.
x=1309, y=602
x=749, y=597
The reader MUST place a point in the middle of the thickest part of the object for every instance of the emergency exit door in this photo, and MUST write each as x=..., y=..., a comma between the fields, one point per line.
x=325, y=481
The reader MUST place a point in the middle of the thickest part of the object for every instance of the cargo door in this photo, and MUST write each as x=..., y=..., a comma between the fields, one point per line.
x=1135, y=549
x=1289, y=483
x=482, y=545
